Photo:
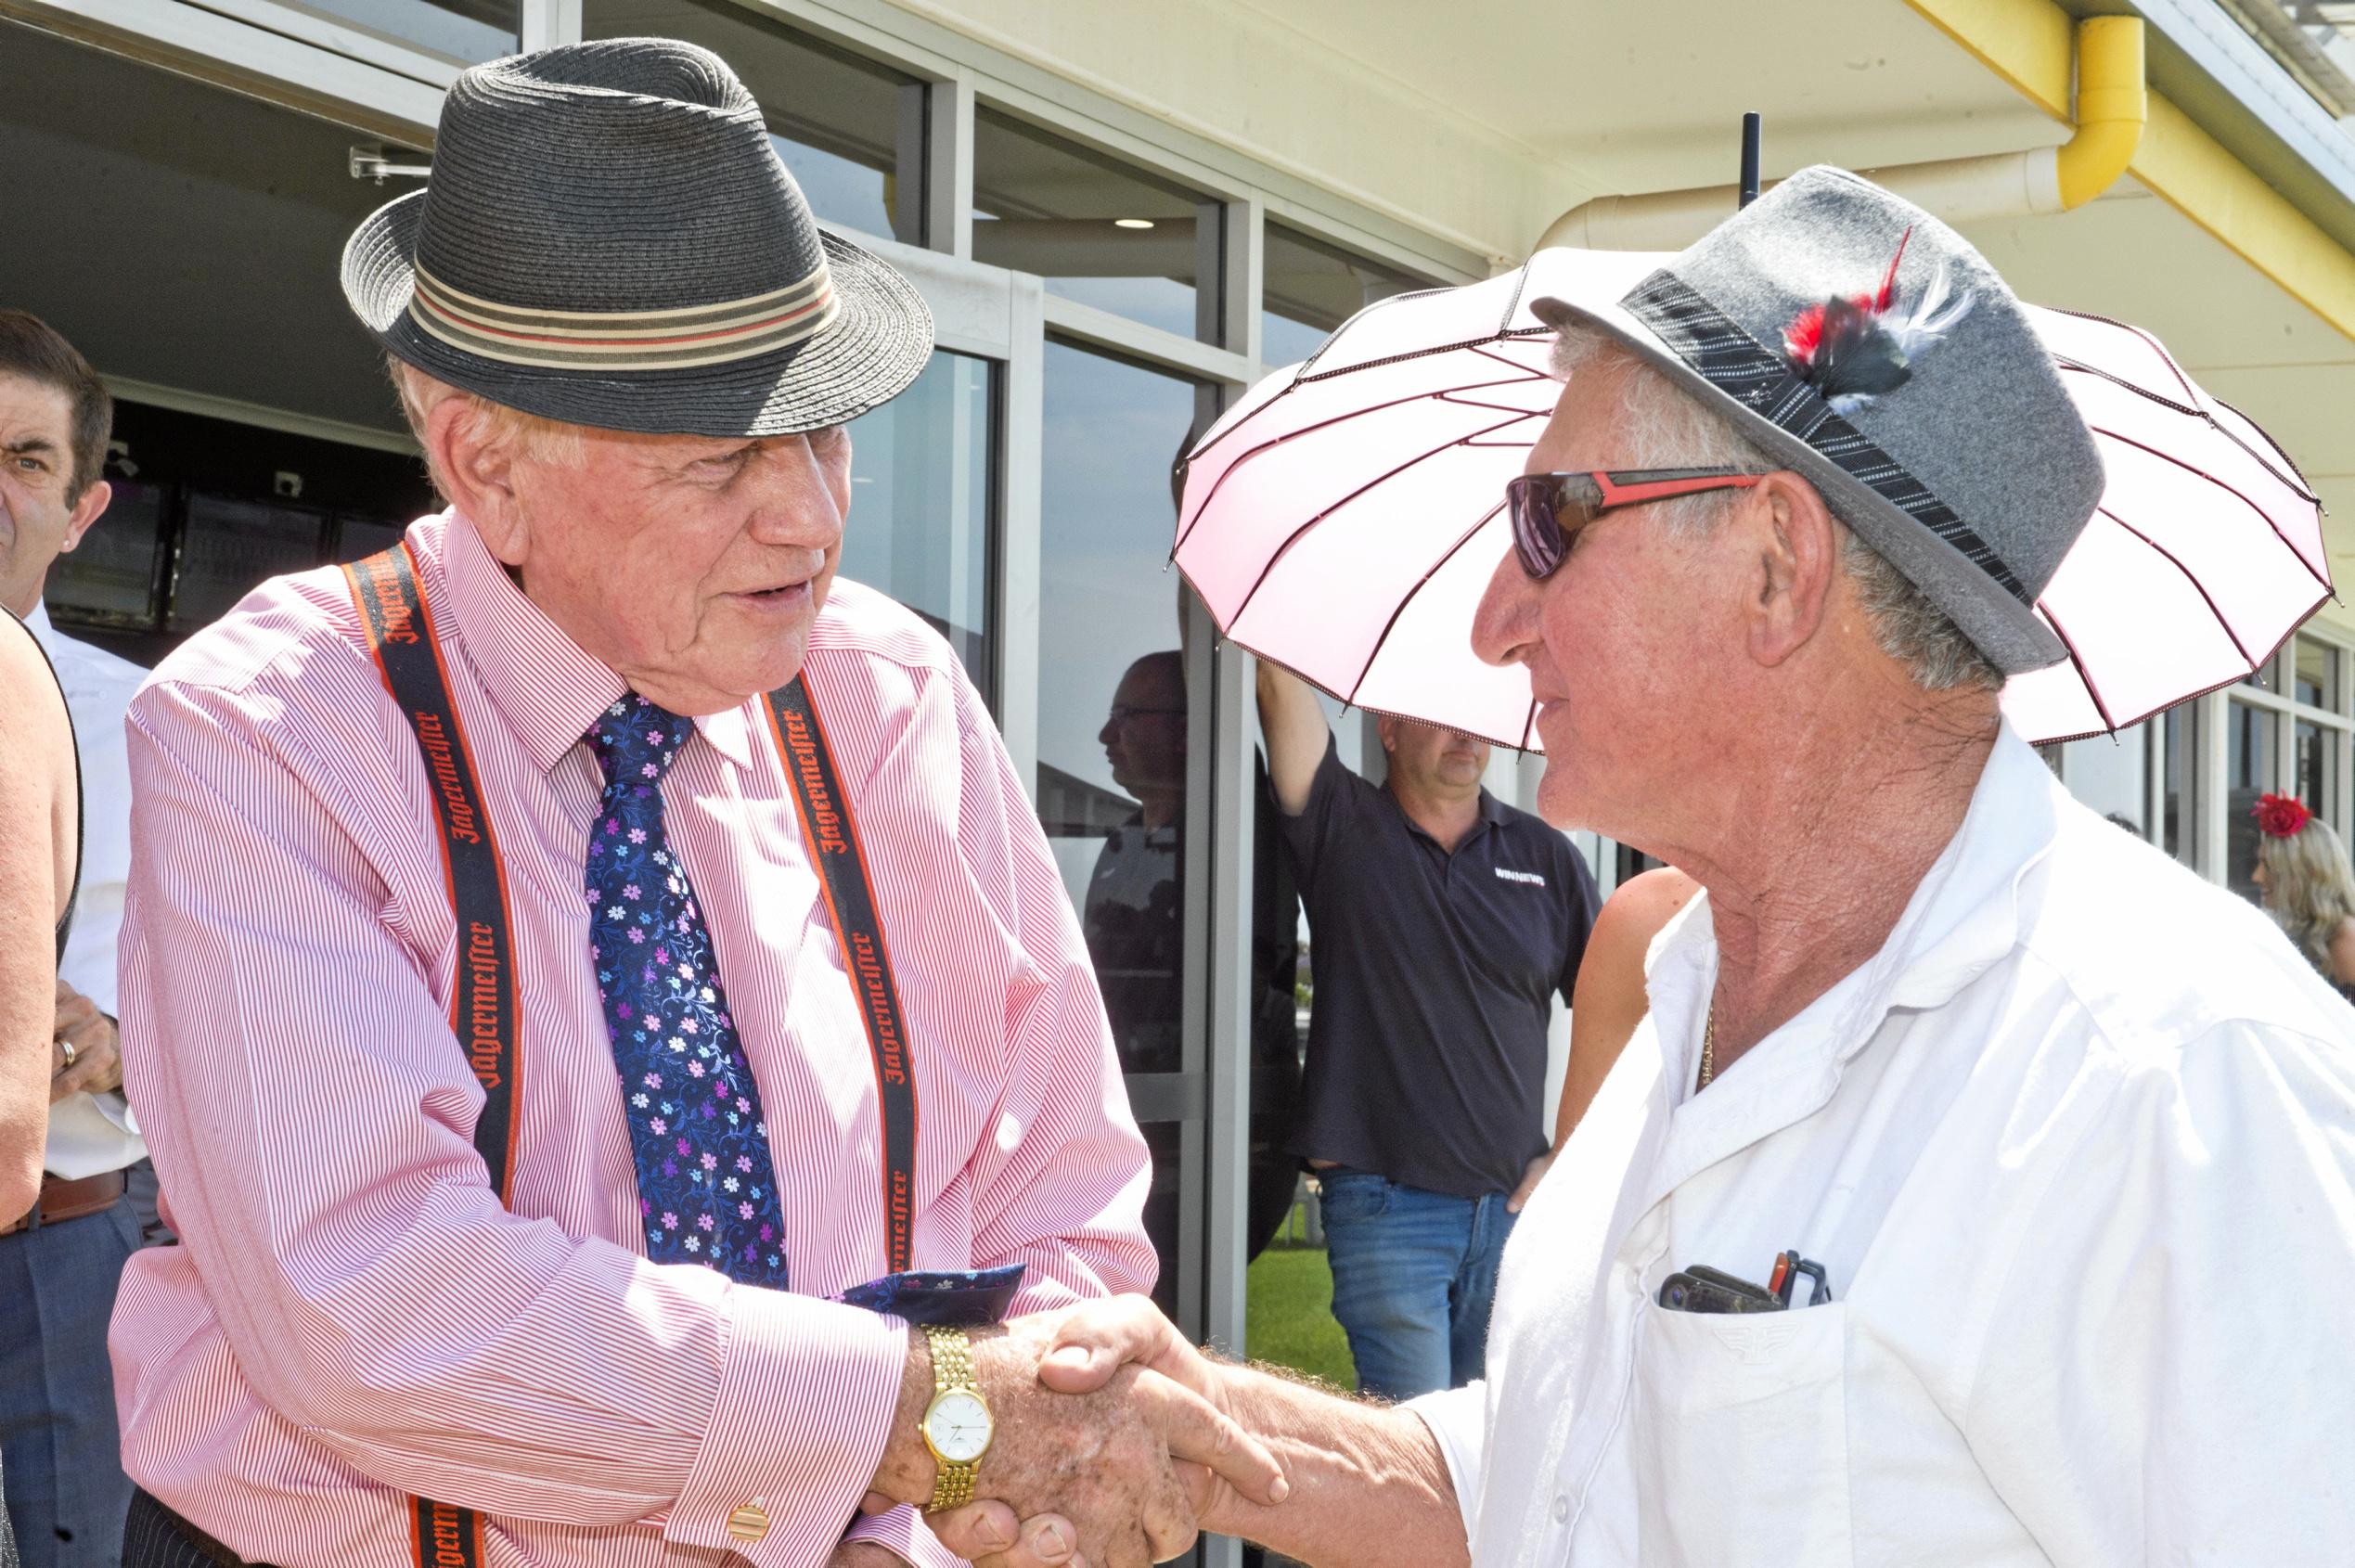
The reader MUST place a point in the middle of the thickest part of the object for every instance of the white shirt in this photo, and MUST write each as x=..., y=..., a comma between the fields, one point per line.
x=2076, y=1147
x=89, y=1134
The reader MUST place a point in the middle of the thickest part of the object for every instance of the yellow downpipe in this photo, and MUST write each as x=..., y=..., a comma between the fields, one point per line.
x=2113, y=105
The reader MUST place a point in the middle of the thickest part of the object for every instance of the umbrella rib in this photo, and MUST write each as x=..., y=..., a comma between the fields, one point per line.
x=2229, y=490
x=1408, y=597
x=2082, y=673
x=2295, y=478
x=2189, y=576
x=1293, y=538
x=2147, y=340
x=1378, y=712
x=1186, y=532
x=2194, y=697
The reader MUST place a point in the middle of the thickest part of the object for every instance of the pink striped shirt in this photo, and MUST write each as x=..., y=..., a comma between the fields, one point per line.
x=352, y=1317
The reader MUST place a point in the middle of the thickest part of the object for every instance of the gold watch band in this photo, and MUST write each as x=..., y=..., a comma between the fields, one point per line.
x=952, y=1369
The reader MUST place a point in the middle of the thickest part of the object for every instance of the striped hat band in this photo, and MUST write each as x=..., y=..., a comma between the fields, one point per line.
x=648, y=340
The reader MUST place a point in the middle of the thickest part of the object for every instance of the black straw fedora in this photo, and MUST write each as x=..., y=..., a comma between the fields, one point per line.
x=608, y=239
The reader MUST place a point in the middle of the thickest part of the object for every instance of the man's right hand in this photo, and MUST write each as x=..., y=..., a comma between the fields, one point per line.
x=1096, y=1348
x=1122, y=1462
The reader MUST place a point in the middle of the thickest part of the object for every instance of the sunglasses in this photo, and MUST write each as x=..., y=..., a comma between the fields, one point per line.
x=1549, y=509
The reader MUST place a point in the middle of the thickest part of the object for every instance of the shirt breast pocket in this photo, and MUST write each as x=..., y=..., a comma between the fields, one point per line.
x=1739, y=1437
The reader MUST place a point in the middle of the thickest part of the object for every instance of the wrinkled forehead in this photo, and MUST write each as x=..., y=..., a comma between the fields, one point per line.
x=34, y=410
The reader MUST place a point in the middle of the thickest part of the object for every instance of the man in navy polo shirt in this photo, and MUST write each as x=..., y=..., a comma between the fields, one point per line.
x=1444, y=923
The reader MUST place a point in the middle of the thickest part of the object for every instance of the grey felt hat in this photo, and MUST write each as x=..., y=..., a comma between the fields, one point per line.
x=1867, y=346
x=608, y=239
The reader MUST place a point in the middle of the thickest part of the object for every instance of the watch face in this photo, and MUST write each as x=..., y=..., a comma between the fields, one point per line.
x=958, y=1426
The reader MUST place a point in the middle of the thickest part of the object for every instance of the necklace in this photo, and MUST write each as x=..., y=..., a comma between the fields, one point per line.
x=1709, y=1047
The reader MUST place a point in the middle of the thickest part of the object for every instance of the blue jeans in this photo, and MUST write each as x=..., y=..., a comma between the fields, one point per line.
x=1413, y=1276
x=60, y=1458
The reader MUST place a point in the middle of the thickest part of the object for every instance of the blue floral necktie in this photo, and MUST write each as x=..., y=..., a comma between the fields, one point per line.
x=705, y=1183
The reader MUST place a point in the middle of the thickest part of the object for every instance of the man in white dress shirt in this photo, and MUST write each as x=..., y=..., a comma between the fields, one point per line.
x=2069, y=1132
x=60, y=1452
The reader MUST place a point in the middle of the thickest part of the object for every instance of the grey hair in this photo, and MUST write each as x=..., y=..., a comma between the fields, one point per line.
x=420, y=393
x=1668, y=427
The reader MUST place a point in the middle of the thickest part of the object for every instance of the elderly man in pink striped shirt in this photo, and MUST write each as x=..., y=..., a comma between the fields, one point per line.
x=587, y=964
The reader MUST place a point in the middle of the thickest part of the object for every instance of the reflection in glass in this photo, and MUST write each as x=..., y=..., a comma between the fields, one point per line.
x=1312, y=288
x=920, y=517
x=2248, y=772
x=1115, y=738
x=229, y=546
x=2109, y=774
x=846, y=127
x=108, y=579
x=1096, y=230
x=470, y=31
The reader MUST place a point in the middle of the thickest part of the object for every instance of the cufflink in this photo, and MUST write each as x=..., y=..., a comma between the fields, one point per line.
x=749, y=1522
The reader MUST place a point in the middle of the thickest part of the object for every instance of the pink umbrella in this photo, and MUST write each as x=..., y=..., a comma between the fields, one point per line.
x=1343, y=518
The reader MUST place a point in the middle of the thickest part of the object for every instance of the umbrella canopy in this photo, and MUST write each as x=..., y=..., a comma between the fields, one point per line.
x=1343, y=518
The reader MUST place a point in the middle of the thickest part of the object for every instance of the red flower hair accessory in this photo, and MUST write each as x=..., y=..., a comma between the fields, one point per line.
x=2281, y=816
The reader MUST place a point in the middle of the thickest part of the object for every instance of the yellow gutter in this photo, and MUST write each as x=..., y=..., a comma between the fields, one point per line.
x=2027, y=43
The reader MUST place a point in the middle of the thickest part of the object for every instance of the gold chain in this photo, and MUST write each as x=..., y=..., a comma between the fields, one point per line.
x=1709, y=1047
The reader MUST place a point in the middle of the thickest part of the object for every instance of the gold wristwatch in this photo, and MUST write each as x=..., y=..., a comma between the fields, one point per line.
x=957, y=1425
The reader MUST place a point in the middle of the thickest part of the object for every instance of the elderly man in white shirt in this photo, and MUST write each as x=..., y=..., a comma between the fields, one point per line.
x=2069, y=1134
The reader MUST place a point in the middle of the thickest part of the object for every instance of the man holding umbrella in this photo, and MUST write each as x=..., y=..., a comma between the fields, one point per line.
x=585, y=961
x=1981, y=1188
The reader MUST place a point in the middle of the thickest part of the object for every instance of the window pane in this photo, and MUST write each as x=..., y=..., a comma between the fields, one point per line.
x=1112, y=710
x=836, y=120
x=2107, y=773
x=2248, y=772
x=230, y=546
x=2175, y=827
x=471, y=31
x=109, y=578
x=1112, y=729
x=2317, y=665
x=1312, y=288
x=2317, y=763
x=1096, y=230
x=919, y=517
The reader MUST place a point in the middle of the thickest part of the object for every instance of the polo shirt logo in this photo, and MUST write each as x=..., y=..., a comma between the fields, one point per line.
x=1530, y=877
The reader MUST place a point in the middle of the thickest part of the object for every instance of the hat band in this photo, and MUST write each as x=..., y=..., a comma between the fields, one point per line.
x=1746, y=370
x=610, y=341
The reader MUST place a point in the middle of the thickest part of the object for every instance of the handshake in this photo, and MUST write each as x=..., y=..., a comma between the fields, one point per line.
x=1109, y=1442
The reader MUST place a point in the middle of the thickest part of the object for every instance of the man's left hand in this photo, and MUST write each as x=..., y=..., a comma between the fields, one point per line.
x=1529, y=1179
x=94, y=1066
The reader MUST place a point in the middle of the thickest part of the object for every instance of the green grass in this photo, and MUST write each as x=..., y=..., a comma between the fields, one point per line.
x=1291, y=1322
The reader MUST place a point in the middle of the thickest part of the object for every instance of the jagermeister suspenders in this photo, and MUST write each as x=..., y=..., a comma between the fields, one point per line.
x=399, y=625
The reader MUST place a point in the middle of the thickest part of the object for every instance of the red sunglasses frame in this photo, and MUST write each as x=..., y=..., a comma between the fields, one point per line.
x=1538, y=503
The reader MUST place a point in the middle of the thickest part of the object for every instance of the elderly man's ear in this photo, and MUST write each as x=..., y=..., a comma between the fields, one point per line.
x=1795, y=543
x=476, y=469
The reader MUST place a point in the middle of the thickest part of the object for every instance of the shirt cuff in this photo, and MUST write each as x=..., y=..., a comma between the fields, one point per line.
x=1459, y=1423
x=904, y=1531
x=808, y=1392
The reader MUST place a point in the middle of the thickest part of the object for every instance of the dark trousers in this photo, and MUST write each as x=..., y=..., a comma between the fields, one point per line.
x=153, y=1537
x=60, y=1454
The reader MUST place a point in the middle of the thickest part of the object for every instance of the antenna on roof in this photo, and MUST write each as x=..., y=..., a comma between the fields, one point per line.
x=1749, y=158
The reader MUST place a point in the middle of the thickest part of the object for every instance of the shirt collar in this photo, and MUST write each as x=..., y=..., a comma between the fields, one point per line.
x=38, y=622
x=547, y=687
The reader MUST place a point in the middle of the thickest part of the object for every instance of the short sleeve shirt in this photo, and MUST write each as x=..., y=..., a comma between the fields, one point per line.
x=1434, y=975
